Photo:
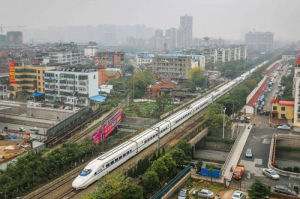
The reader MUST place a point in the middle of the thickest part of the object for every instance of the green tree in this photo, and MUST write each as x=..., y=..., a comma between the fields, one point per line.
x=170, y=164
x=196, y=76
x=186, y=147
x=162, y=102
x=131, y=191
x=140, y=80
x=160, y=168
x=213, y=118
x=258, y=190
x=150, y=181
x=178, y=155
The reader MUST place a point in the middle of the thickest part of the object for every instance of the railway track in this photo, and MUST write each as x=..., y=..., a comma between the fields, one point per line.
x=61, y=187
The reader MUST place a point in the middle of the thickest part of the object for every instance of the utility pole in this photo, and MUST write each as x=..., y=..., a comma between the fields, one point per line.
x=224, y=123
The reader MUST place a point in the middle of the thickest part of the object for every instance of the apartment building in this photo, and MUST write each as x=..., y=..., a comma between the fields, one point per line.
x=224, y=54
x=296, y=92
x=72, y=86
x=176, y=66
x=65, y=57
x=26, y=78
x=109, y=59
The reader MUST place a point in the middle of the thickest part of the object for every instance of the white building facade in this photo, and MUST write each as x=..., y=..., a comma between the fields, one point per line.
x=71, y=86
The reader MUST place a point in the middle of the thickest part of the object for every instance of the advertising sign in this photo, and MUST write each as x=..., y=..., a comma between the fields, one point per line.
x=103, y=132
x=12, y=72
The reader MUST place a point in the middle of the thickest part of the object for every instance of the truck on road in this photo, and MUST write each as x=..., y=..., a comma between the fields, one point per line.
x=238, y=172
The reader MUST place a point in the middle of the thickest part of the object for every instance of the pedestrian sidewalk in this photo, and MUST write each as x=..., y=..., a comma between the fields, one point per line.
x=235, y=156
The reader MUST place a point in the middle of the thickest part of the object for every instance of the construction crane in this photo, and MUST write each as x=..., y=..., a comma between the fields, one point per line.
x=2, y=26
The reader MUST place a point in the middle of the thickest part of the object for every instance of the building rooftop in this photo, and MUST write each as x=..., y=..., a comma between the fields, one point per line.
x=80, y=70
x=286, y=103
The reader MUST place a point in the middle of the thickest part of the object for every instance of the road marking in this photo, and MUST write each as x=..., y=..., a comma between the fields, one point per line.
x=266, y=141
x=258, y=161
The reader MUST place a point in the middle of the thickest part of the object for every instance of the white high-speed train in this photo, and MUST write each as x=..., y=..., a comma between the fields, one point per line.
x=110, y=160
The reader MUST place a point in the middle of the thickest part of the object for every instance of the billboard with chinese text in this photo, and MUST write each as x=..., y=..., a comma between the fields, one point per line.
x=103, y=132
x=12, y=72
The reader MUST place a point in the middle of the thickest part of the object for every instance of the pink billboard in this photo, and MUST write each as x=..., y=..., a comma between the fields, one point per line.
x=108, y=127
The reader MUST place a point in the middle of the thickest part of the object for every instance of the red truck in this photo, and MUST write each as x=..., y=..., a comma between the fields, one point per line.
x=238, y=172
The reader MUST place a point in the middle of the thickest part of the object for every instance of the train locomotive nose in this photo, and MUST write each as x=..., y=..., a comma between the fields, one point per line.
x=77, y=183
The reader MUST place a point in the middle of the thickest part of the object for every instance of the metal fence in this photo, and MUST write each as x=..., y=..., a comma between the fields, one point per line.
x=59, y=128
x=166, y=188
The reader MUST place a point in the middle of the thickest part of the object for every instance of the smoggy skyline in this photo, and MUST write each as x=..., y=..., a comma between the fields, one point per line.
x=228, y=19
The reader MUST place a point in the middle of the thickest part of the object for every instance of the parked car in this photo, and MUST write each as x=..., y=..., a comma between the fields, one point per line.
x=285, y=190
x=248, y=153
x=183, y=193
x=270, y=173
x=284, y=126
x=238, y=195
x=204, y=193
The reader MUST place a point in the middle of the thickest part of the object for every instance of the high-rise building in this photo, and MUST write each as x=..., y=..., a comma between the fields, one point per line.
x=259, y=41
x=171, y=38
x=185, y=31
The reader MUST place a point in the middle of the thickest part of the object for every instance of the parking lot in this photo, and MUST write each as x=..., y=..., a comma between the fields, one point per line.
x=259, y=141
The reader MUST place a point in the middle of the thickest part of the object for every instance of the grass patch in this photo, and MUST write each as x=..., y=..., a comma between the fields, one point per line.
x=218, y=139
x=213, y=166
x=144, y=109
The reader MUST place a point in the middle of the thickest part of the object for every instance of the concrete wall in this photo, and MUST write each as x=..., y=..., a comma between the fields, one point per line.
x=37, y=112
x=218, y=146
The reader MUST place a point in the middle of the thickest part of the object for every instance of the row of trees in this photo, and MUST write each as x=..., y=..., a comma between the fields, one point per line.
x=34, y=169
x=287, y=81
x=146, y=178
x=232, y=101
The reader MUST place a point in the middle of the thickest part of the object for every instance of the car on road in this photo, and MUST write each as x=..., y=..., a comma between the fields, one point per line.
x=285, y=190
x=270, y=173
x=204, y=193
x=238, y=195
x=248, y=153
x=183, y=193
x=284, y=126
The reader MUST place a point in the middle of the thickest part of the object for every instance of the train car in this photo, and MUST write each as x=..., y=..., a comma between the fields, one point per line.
x=120, y=154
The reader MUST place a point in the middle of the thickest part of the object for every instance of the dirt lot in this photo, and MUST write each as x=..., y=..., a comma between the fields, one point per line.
x=9, y=150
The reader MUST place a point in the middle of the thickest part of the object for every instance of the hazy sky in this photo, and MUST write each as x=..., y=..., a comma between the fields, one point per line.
x=228, y=19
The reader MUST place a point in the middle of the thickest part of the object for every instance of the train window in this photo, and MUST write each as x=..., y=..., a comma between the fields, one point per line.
x=124, y=155
x=120, y=157
x=85, y=172
x=112, y=162
x=127, y=152
x=130, y=150
x=107, y=165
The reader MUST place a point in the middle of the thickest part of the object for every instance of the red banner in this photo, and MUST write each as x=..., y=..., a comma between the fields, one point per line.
x=12, y=72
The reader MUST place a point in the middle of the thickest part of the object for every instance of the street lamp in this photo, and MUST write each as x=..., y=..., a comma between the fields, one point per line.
x=224, y=123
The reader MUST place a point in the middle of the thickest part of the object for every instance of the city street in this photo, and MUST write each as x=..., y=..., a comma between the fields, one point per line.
x=259, y=141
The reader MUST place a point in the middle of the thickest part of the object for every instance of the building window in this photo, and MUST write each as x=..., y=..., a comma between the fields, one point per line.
x=283, y=108
x=274, y=108
x=39, y=71
x=282, y=115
